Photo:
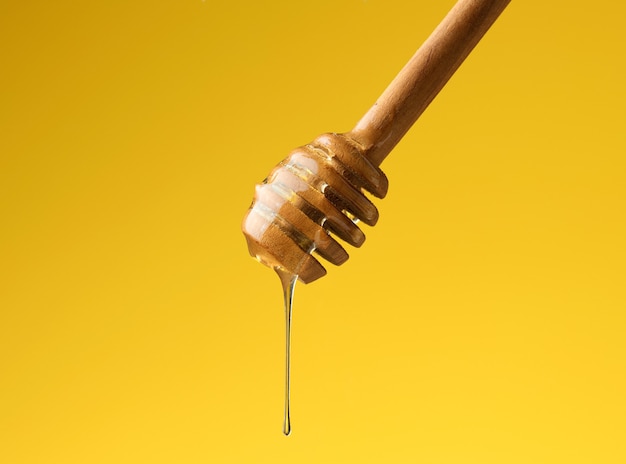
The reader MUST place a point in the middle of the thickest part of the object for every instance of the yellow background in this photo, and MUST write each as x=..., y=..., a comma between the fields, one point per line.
x=482, y=322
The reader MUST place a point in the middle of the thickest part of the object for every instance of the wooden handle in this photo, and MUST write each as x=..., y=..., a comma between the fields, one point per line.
x=424, y=76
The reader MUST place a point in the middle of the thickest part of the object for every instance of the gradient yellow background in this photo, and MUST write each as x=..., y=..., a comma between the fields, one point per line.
x=482, y=322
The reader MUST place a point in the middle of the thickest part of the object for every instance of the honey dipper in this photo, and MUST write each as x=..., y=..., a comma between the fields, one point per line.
x=318, y=189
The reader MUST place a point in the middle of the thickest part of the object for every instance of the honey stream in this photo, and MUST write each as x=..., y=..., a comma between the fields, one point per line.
x=288, y=282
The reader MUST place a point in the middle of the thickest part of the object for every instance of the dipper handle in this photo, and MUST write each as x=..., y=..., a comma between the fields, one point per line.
x=421, y=79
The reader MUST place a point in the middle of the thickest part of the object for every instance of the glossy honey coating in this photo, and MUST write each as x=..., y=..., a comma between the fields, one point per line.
x=313, y=193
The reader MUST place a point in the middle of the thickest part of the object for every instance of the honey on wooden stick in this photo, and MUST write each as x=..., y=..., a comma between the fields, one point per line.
x=317, y=192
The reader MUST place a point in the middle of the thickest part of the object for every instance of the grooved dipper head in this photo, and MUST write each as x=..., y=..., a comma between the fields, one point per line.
x=317, y=190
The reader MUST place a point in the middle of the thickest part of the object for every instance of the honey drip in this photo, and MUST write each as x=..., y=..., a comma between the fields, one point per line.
x=288, y=282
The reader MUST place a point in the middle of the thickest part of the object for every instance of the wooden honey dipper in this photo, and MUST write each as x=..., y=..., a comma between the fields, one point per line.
x=318, y=188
